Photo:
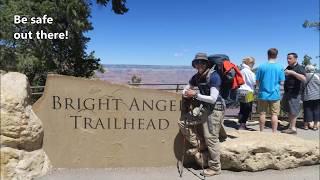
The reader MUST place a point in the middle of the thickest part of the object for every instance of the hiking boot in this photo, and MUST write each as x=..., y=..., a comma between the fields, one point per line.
x=289, y=131
x=210, y=172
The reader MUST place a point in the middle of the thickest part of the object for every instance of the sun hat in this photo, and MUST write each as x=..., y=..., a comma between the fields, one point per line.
x=199, y=57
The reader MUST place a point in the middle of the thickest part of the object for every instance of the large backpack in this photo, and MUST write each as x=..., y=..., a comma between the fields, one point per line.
x=230, y=74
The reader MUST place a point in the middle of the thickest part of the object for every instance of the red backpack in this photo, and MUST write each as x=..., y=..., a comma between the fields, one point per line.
x=237, y=80
x=230, y=74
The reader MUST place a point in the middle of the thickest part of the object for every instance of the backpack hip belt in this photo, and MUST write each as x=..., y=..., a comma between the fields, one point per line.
x=219, y=105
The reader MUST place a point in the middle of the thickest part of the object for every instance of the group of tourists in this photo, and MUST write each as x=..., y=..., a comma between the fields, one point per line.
x=300, y=84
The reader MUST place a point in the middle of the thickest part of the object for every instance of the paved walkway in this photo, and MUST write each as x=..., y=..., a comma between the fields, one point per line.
x=170, y=173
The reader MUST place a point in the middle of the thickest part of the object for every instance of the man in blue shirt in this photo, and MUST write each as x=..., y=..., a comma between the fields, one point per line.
x=269, y=77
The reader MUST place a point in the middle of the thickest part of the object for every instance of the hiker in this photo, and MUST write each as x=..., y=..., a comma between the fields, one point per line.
x=295, y=77
x=270, y=76
x=205, y=135
x=311, y=99
x=246, y=91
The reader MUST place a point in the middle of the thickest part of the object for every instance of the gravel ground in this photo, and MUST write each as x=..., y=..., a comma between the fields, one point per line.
x=161, y=173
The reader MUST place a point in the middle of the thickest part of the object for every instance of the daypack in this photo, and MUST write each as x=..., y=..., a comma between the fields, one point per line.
x=230, y=74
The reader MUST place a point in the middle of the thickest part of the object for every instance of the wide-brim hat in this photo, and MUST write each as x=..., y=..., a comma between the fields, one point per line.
x=200, y=57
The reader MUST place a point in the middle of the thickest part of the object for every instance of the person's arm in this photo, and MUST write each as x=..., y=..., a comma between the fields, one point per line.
x=300, y=77
x=257, y=76
x=215, y=82
x=186, y=88
x=253, y=78
x=282, y=77
x=214, y=93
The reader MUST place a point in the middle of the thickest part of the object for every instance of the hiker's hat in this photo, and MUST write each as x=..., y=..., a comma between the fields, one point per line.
x=198, y=58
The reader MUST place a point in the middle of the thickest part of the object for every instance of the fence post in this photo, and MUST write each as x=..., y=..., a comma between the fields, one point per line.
x=177, y=88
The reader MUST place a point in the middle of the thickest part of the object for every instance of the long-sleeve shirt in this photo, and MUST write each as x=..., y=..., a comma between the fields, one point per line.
x=249, y=78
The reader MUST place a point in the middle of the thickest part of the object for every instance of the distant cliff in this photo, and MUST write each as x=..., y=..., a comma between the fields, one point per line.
x=122, y=73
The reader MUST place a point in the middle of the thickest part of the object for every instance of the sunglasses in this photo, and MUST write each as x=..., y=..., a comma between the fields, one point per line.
x=199, y=62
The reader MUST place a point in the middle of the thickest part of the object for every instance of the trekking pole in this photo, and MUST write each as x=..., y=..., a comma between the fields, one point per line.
x=181, y=166
x=201, y=156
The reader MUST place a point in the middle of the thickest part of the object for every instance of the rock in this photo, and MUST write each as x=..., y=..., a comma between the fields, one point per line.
x=15, y=91
x=20, y=164
x=256, y=151
x=20, y=127
x=2, y=72
x=21, y=131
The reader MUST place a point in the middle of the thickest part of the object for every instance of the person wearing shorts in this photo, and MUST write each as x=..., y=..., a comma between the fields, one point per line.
x=291, y=101
x=269, y=78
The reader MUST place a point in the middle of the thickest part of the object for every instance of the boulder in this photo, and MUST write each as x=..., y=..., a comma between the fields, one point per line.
x=256, y=151
x=20, y=164
x=21, y=131
x=15, y=91
x=20, y=127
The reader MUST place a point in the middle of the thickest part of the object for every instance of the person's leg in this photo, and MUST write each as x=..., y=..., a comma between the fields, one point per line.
x=292, y=127
x=316, y=114
x=293, y=121
x=247, y=111
x=275, y=110
x=262, y=120
x=243, y=115
x=294, y=110
x=262, y=109
x=307, y=114
x=305, y=122
x=241, y=112
x=211, y=136
x=274, y=123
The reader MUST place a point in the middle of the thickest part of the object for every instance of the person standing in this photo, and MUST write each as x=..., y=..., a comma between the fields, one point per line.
x=295, y=76
x=212, y=106
x=246, y=91
x=269, y=76
x=311, y=98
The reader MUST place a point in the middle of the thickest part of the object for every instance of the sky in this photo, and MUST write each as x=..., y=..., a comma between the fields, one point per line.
x=171, y=32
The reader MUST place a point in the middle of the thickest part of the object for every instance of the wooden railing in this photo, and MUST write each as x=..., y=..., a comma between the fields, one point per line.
x=38, y=90
x=178, y=86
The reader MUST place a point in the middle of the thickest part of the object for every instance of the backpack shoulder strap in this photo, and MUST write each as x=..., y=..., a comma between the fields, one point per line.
x=212, y=70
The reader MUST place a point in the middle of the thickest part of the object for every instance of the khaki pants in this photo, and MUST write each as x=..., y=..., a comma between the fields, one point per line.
x=196, y=135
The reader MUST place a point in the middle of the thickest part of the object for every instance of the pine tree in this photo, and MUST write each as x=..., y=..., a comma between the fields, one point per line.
x=35, y=57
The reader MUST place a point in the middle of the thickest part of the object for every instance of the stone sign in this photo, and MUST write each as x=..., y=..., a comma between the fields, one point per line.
x=95, y=124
